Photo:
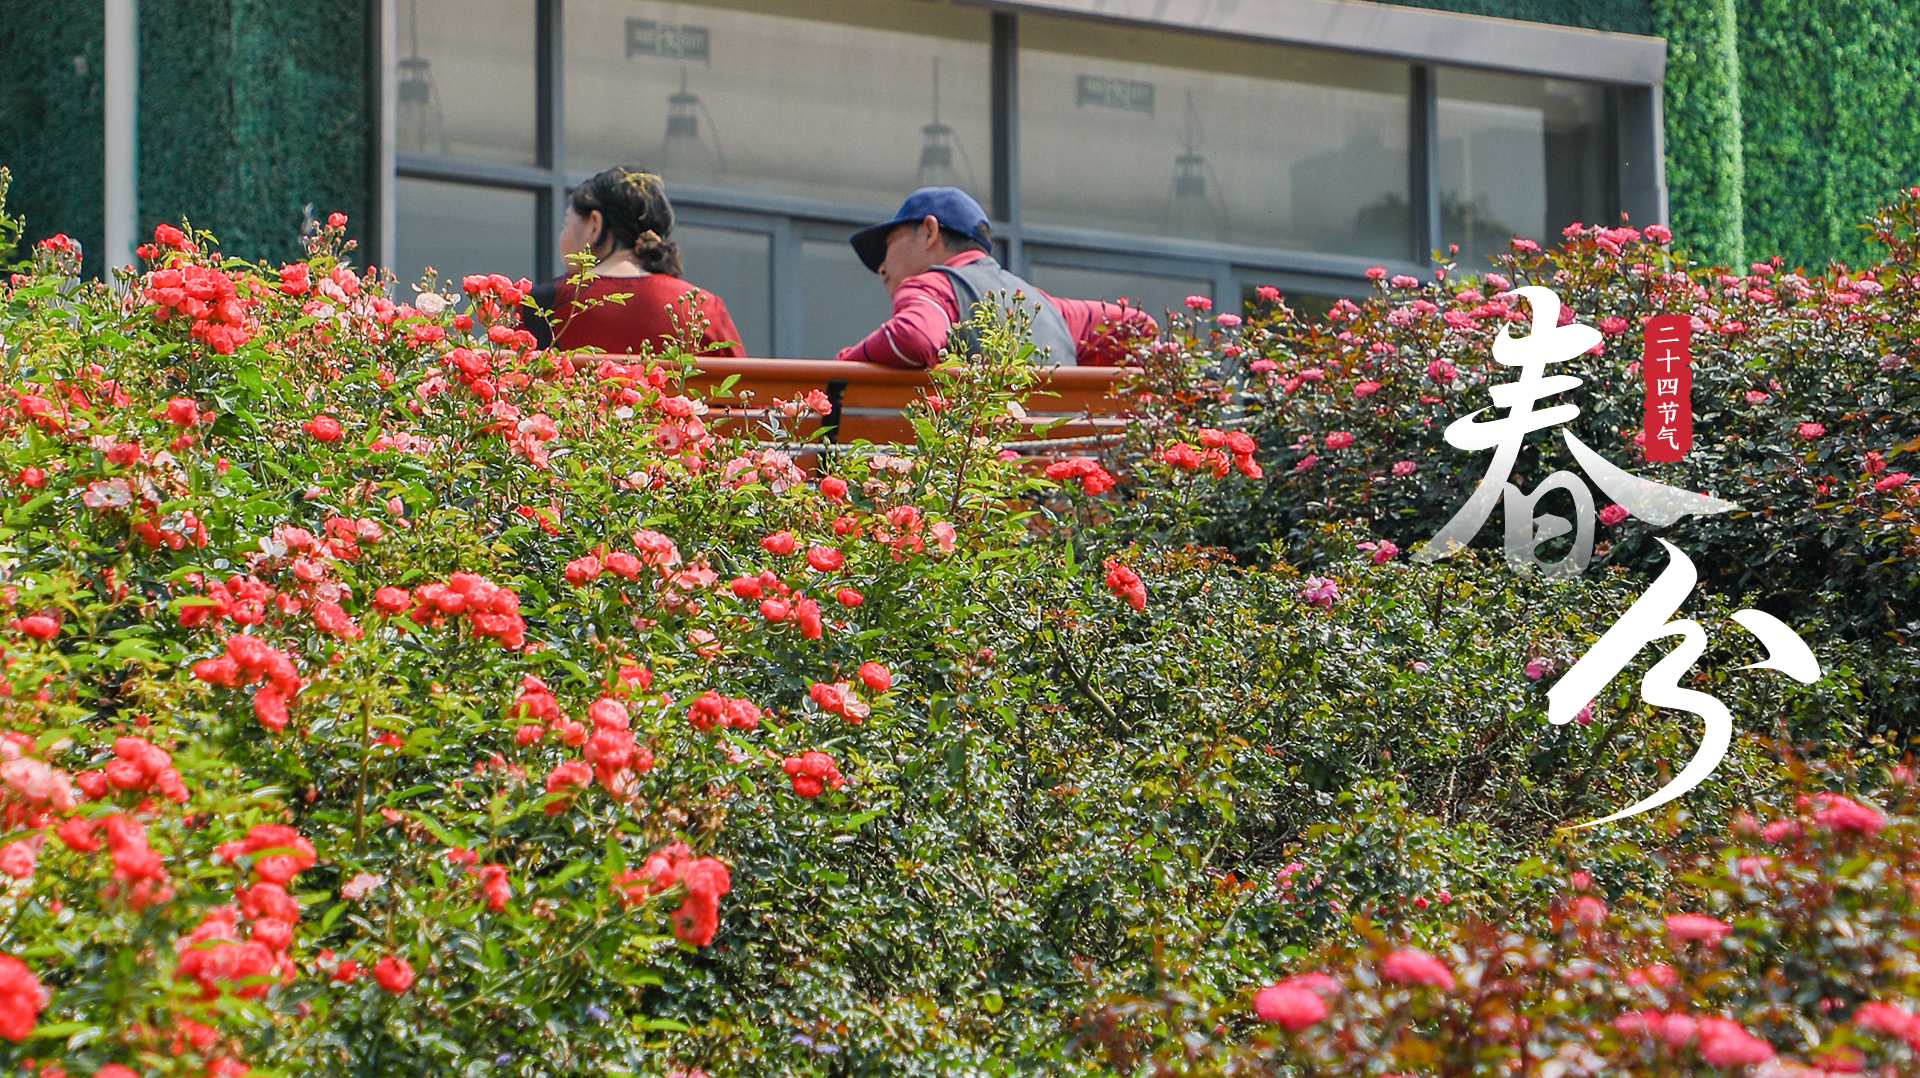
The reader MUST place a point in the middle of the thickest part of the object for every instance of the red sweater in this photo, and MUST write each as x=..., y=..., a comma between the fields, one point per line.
x=924, y=309
x=656, y=310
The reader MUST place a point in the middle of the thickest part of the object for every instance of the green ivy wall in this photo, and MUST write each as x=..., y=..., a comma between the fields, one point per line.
x=249, y=110
x=52, y=134
x=1706, y=170
x=1787, y=120
x=1619, y=16
x=1830, y=108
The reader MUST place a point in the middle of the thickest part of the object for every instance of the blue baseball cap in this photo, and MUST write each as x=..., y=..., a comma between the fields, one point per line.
x=950, y=206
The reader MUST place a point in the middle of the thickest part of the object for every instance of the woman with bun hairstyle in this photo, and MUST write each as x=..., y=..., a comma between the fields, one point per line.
x=632, y=295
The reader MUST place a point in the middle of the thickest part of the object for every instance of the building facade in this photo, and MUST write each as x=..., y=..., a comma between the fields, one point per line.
x=1150, y=149
x=1149, y=154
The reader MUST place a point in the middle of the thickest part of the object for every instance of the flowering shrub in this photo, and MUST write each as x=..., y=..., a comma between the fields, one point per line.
x=348, y=636
x=1806, y=389
x=384, y=695
x=1802, y=967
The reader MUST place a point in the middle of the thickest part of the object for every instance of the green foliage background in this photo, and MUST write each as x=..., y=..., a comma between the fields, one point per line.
x=1831, y=123
x=257, y=109
x=1706, y=174
x=249, y=110
x=52, y=54
x=1617, y=16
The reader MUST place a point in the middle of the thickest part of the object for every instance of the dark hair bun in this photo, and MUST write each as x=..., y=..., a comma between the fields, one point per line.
x=635, y=213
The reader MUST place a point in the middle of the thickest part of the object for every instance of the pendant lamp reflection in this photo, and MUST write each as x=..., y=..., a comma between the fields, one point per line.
x=937, y=147
x=685, y=155
x=1197, y=207
x=418, y=124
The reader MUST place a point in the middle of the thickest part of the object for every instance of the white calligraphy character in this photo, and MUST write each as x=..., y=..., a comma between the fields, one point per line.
x=1548, y=342
x=1647, y=621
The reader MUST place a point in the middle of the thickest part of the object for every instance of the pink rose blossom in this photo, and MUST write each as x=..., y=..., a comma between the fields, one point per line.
x=361, y=885
x=1320, y=591
x=17, y=859
x=1416, y=967
x=1589, y=910
x=1689, y=927
x=1726, y=1043
x=1888, y=1018
x=1289, y=1007
x=1780, y=830
x=1837, y=813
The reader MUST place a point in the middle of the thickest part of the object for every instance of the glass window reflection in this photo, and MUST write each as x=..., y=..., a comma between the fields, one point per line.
x=459, y=228
x=466, y=79
x=844, y=300
x=737, y=266
x=1152, y=293
x=1518, y=156
x=1143, y=130
x=850, y=101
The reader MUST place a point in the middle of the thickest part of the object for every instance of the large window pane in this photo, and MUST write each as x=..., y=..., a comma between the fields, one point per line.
x=1152, y=293
x=459, y=229
x=466, y=79
x=738, y=267
x=853, y=101
x=1134, y=129
x=844, y=300
x=1518, y=156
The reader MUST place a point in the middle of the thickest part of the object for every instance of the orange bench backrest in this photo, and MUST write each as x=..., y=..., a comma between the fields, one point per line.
x=869, y=399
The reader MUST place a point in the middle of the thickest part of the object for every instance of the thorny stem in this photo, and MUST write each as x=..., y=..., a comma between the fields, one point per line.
x=360, y=797
x=960, y=473
x=1080, y=680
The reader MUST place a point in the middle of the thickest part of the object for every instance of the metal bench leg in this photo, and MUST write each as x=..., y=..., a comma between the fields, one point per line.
x=836, y=389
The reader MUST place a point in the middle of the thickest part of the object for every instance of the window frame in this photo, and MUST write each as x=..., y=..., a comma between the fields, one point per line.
x=1623, y=65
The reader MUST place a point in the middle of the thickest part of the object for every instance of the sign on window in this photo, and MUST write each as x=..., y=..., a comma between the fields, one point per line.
x=687, y=44
x=1109, y=93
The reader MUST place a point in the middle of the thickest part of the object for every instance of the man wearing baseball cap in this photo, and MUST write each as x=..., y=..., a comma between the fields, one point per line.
x=932, y=257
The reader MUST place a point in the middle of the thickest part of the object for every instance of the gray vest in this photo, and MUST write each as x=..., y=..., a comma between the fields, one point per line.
x=975, y=281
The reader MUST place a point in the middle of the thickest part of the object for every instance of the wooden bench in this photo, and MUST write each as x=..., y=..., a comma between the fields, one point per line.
x=868, y=399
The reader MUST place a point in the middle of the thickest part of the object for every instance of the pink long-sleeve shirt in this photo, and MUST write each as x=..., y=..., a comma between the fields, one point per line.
x=925, y=309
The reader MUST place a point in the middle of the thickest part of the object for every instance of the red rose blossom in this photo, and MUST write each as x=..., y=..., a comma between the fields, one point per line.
x=324, y=428
x=21, y=997
x=394, y=974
